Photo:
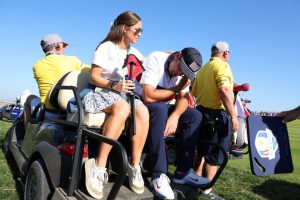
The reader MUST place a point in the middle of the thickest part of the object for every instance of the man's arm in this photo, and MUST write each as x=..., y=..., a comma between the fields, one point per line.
x=290, y=115
x=151, y=94
x=227, y=100
x=182, y=103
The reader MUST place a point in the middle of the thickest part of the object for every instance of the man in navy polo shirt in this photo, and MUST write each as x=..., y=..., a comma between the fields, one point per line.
x=167, y=77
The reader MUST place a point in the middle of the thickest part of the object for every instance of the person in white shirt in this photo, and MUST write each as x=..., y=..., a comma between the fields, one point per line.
x=108, y=74
x=239, y=137
x=167, y=77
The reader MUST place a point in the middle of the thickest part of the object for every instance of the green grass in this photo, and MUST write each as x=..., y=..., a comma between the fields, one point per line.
x=10, y=185
x=236, y=182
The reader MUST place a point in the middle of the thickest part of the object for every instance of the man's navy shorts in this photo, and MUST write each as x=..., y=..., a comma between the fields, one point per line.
x=216, y=128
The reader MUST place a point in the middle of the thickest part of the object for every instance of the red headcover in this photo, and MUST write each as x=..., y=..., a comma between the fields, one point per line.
x=137, y=67
x=243, y=87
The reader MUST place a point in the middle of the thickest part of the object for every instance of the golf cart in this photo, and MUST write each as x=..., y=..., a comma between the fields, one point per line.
x=16, y=112
x=11, y=111
x=2, y=108
x=50, y=152
x=6, y=111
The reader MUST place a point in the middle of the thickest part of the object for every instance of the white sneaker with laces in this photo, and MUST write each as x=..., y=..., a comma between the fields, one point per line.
x=161, y=187
x=136, y=181
x=95, y=178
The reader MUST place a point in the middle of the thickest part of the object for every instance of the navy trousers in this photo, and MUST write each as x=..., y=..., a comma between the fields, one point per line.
x=189, y=123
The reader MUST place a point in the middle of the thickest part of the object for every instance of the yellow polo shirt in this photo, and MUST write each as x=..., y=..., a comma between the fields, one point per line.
x=212, y=76
x=49, y=69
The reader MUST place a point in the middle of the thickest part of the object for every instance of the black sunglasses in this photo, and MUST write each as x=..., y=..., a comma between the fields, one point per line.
x=138, y=30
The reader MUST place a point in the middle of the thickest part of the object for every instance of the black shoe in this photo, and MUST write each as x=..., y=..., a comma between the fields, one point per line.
x=212, y=195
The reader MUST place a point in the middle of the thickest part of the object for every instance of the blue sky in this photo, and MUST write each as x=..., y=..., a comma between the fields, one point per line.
x=264, y=37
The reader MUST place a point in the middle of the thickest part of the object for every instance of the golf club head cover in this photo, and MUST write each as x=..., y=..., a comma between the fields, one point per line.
x=137, y=67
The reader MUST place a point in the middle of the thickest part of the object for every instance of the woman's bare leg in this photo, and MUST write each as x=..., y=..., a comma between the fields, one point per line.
x=113, y=128
x=138, y=140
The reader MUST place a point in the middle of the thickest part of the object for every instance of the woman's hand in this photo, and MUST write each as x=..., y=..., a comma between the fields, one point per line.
x=126, y=86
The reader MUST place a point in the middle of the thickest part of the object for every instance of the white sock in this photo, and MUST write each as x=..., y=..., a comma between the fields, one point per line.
x=133, y=167
x=99, y=168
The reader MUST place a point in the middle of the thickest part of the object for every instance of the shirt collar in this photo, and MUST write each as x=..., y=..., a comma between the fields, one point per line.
x=215, y=58
x=51, y=53
x=167, y=63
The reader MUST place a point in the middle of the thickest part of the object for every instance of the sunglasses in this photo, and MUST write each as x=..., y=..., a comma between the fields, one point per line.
x=137, y=31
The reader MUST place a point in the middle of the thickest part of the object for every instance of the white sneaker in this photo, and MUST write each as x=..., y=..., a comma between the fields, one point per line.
x=136, y=181
x=161, y=187
x=94, y=178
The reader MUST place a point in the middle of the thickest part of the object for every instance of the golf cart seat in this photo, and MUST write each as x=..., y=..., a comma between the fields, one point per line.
x=79, y=79
x=65, y=91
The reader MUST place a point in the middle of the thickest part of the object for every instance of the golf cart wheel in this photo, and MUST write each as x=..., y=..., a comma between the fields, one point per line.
x=36, y=185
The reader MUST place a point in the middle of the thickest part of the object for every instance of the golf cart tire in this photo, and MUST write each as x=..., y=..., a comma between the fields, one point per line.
x=36, y=185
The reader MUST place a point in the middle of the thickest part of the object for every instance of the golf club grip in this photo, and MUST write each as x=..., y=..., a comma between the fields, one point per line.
x=131, y=99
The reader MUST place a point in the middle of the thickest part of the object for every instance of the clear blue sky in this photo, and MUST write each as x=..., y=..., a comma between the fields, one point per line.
x=264, y=36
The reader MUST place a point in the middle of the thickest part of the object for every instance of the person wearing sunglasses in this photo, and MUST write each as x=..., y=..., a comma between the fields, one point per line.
x=107, y=72
x=213, y=89
x=166, y=78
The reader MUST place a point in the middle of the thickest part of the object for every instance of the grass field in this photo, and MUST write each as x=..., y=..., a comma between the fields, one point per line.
x=235, y=183
x=10, y=184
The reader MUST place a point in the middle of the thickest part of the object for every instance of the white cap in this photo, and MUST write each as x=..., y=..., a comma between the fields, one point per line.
x=220, y=47
x=52, y=39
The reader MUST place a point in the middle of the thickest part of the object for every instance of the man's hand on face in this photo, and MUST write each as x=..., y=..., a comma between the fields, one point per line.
x=184, y=82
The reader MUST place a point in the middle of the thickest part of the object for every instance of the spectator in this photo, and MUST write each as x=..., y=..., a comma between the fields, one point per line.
x=106, y=73
x=240, y=138
x=161, y=81
x=213, y=89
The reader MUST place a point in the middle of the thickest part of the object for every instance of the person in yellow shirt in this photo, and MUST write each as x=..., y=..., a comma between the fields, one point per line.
x=213, y=89
x=49, y=69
